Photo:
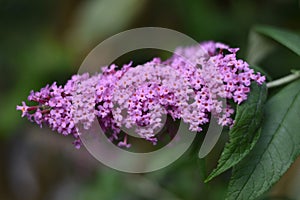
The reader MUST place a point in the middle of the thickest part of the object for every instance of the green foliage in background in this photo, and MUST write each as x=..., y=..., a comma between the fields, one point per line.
x=46, y=41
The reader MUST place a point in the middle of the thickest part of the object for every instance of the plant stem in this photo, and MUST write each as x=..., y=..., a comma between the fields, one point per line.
x=295, y=75
x=203, y=170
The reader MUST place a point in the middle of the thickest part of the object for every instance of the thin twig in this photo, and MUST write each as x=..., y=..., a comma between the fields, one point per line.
x=284, y=80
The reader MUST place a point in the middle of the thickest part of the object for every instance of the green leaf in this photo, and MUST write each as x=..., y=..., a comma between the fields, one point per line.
x=95, y=21
x=245, y=132
x=275, y=151
x=286, y=38
x=258, y=47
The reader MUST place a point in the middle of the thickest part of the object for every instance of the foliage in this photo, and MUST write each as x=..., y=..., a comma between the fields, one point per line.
x=256, y=170
x=42, y=42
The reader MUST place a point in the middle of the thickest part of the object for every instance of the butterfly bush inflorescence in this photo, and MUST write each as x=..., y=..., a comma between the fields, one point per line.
x=191, y=85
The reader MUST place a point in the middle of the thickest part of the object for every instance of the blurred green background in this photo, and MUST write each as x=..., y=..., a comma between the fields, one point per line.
x=46, y=41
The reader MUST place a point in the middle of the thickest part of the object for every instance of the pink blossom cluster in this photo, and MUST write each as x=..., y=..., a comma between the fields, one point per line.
x=53, y=108
x=215, y=74
x=192, y=85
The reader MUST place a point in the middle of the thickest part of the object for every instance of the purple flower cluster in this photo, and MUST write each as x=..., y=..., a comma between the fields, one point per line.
x=147, y=92
x=191, y=85
x=53, y=109
x=215, y=74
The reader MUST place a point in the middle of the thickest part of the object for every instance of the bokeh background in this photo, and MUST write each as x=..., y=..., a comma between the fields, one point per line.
x=46, y=41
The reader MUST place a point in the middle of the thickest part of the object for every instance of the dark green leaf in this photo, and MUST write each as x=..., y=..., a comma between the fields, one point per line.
x=286, y=38
x=245, y=132
x=275, y=151
x=258, y=47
